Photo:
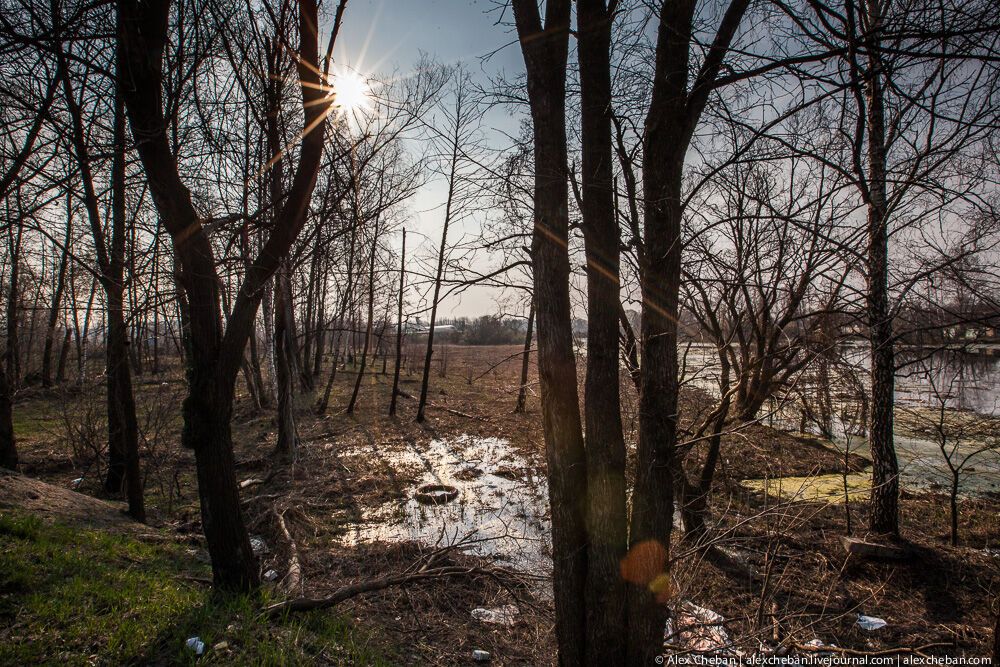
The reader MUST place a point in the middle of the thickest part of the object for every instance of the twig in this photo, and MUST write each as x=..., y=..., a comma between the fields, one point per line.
x=918, y=650
x=347, y=592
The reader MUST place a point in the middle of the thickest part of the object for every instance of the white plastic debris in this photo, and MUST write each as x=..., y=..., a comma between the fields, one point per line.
x=504, y=615
x=196, y=645
x=820, y=644
x=258, y=545
x=481, y=656
x=77, y=482
x=871, y=622
x=702, y=630
x=270, y=575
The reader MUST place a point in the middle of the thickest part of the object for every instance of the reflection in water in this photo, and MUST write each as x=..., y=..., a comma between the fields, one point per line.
x=501, y=511
x=962, y=380
x=966, y=381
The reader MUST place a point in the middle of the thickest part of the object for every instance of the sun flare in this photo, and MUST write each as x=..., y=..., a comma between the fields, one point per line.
x=351, y=92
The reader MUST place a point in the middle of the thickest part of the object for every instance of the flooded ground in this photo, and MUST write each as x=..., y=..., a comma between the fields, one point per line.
x=963, y=382
x=500, y=512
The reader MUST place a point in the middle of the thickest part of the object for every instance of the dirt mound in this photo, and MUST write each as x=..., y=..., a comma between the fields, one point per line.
x=53, y=502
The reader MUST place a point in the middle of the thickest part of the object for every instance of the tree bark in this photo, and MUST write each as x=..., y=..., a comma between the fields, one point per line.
x=284, y=362
x=545, y=52
x=884, y=517
x=12, y=353
x=607, y=522
x=8, y=446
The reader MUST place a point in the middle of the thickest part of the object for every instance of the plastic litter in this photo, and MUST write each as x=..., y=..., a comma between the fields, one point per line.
x=196, y=645
x=871, y=622
x=698, y=629
x=481, y=656
x=820, y=644
x=504, y=615
x=77, y=482
x=257, y=545
x=270, y=575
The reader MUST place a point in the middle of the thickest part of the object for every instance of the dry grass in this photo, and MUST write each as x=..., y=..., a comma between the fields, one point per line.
x=345, y=465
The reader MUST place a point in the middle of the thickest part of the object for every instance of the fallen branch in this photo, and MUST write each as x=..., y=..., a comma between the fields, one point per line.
x=292, y=581
x=457, y=413
x=918, y=650
x=347, y=592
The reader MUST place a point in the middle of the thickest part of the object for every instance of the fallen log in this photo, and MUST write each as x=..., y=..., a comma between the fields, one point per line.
x=865, y=549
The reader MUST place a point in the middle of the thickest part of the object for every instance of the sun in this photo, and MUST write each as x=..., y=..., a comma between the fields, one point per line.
x=351, y=92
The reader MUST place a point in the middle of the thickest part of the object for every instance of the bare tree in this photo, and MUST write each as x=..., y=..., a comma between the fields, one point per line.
x=216, y=352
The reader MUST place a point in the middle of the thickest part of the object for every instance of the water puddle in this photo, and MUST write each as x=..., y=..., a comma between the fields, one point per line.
x=500, y=511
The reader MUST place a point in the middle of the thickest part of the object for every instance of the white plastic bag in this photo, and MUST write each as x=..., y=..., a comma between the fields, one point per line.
x=871, y=622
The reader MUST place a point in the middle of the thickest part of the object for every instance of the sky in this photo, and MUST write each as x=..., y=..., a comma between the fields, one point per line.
x=386, y=36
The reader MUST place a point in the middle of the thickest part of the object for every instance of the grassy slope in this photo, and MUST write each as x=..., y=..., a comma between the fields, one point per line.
x=76, y=596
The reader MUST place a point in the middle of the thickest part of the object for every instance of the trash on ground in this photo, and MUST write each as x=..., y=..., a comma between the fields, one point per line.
x=196, y=645
x=697, y=630
x=435, y=494
x=871, y=622
x=819, y=645
x=481, y=656
x=258, y=545
x=504, y=615
x=270, y=575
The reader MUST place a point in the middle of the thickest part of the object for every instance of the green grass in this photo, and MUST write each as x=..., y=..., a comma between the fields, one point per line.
x=72, y=596
x=35, y=418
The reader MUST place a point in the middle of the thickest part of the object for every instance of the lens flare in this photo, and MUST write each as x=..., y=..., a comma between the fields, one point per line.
x=351, y=92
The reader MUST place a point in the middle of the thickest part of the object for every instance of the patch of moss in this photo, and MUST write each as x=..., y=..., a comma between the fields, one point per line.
x=826, y=488
x=76, y=596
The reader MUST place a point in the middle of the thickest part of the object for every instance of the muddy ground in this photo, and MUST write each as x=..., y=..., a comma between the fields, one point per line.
x=356, y=473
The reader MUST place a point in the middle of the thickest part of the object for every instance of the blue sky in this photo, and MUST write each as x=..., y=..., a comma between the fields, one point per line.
x=386, y=36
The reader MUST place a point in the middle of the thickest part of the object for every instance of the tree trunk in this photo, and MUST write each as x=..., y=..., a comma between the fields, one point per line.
x=215, y=355
x=674, y=110
x=522, y=390
x=452, y=175
x=884, y=516
x=545, y=49
x=63, y=356
x=50, y=329
x=368, y=327
x=8, y=447
x=123, y=438
x=284, y=363
x=607, y=522
x=399, y=328
x=953, y=504
x=12, y=353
